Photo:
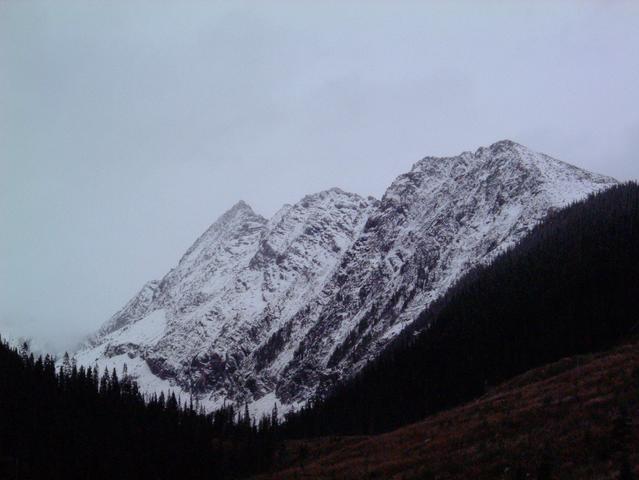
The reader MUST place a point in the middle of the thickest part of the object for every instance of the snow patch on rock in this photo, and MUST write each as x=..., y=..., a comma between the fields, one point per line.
x=276, y=310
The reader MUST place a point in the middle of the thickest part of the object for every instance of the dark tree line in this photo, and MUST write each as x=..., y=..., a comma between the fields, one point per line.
x=570, y=287
x=78, y=423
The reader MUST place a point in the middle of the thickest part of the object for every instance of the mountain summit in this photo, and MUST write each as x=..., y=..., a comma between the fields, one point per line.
x=272, y=310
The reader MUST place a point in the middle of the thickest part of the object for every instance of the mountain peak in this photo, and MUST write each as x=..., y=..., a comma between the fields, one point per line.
x=545, y=168
x=505, y=143
x=241, y=210
x=304, y=299
x=334, y=192
x=241, y=206
x=502, y=147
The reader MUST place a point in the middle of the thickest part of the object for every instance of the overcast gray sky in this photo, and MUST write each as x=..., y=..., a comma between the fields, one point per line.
x=127, y=127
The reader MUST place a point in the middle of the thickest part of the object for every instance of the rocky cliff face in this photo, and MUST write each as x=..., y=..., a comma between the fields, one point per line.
x=262, y=310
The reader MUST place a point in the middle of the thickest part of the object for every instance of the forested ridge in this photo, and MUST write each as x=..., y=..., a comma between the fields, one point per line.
x=77, y=423
x=569, y=287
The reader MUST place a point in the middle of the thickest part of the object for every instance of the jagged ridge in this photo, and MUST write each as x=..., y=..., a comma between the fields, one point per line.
x=262, y=310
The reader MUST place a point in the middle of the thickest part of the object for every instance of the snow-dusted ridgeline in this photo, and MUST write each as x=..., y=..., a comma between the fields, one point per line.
x=272, y=310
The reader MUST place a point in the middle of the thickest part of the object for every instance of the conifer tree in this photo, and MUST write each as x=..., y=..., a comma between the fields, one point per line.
x=104, y=381
x=274, y=416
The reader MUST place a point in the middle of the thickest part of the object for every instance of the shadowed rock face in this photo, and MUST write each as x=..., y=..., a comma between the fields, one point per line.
x=292, y=304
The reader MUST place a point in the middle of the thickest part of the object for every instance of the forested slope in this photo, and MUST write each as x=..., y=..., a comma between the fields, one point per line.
x=569, y=287
x=80, y=424
x=577, y=418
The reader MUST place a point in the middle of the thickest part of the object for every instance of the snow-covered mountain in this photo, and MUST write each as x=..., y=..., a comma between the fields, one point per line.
x=271, y=310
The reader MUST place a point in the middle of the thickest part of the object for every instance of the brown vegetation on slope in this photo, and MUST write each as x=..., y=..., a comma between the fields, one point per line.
x=575, y=419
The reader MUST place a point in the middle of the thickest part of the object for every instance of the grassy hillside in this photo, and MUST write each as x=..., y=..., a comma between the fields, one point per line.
x=575, y=418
